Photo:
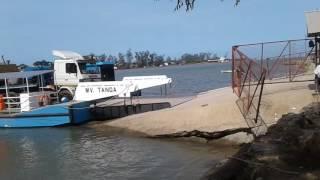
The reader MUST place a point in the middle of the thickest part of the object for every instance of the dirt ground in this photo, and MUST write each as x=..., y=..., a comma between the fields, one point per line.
x=216, y=110
x=289, y=150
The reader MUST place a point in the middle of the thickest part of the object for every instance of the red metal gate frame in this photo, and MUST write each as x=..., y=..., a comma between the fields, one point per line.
x=248, y=78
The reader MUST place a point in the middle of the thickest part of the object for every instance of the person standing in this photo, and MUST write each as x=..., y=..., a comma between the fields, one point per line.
x=317, y=78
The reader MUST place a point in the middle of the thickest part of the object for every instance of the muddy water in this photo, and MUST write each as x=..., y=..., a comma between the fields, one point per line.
x=85, y=153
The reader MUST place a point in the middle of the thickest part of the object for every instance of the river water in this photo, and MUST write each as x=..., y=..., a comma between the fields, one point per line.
x=187, y=79
x=83, y=152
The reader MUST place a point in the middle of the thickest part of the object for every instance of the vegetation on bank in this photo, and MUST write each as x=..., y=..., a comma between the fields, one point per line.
x=140, y=59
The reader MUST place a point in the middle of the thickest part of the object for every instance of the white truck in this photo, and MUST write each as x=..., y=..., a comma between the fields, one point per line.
x=74, y=78
x=69, y=70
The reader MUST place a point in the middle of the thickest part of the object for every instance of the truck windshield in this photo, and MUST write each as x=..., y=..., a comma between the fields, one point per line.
x=87, y=68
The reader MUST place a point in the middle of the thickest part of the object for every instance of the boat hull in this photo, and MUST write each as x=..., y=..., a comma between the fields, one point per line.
x=49, y=116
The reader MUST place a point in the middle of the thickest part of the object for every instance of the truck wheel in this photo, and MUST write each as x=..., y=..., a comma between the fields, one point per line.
x=65, y=94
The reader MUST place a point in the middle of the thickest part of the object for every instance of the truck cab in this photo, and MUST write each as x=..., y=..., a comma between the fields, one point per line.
x=70, y=68
x=71, y=72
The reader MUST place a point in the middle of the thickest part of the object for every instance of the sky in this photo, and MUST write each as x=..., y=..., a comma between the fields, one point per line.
x=31, y=29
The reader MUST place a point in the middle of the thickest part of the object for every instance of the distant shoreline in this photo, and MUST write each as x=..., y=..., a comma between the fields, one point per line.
x=174, y=65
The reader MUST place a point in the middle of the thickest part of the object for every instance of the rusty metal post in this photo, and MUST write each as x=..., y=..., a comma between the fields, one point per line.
x=316, y=43
x=245, y=78
x=260, y=95
x=249, y=90
x=261, y=61
x=233, y=68
x=290, y=79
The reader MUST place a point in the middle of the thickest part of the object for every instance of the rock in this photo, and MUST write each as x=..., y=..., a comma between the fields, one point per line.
x=310, y=176
x=289, y=150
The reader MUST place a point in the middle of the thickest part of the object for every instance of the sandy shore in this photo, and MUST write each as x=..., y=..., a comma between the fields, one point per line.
x=216, y=110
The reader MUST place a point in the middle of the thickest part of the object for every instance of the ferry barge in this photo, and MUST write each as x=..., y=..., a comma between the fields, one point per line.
x=27, y=100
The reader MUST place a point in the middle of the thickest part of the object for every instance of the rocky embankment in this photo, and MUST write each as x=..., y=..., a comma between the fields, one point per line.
x=289, y=150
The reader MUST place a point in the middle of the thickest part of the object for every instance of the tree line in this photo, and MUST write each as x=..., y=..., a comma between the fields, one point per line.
x=146, y=58
x=139, y=59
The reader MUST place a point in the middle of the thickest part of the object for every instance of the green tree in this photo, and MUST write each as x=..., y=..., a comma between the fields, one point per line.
x=152, y=58
x=214, y=56
x=208, y=55
x=146, y=58
x=142, y=58
x=43, y=63
x=92, y=56
x=139, y=58
x=129, y=56
x=168, y=59
x=112, y=59
x=102, y=57
x=121, y=61
x=158, y=60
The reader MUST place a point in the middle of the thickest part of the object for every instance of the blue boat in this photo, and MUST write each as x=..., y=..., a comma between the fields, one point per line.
x=20, y=107
x=49, y=116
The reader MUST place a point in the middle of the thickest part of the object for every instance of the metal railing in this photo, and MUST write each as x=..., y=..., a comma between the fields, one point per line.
x=283, y=60
x=13, y=104
x=254, y=65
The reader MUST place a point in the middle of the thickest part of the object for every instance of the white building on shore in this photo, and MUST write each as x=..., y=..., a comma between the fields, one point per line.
x=218, y=60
